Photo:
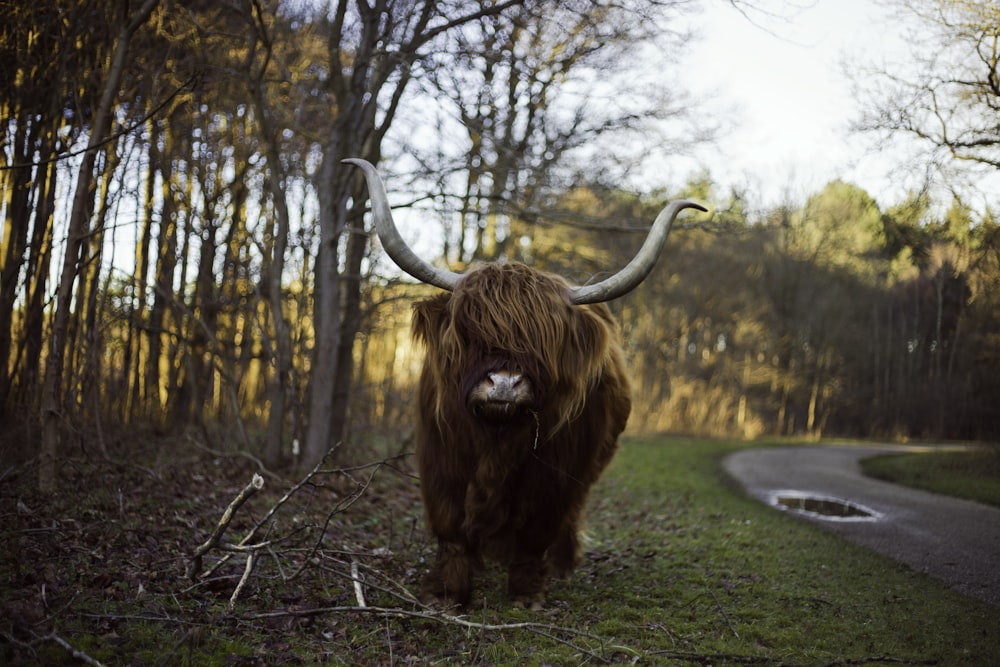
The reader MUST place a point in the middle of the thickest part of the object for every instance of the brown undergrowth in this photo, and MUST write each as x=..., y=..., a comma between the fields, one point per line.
x=102, y=567
x=120, y=566
x=681, y=569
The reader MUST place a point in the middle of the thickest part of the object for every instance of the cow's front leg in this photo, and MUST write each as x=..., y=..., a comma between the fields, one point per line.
x=450, y=579
x=526, y=581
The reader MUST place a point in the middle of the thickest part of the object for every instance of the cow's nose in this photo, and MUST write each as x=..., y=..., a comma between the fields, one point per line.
x=504, y=385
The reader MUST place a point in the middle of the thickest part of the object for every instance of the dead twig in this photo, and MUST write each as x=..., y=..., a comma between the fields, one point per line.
x=195, y=572
x=194, y=569
x=341, y=506
x=391, y=587
x=277, y=506
x=75, y=652
x=243, y=580
x=55, y=638
x=552, y=632
x=239, y=453
x=722, y=611
x=359, y=591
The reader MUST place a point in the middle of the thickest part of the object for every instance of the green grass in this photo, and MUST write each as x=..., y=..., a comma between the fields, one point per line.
x=722, y=574
x=682, y=569
x=971, y=474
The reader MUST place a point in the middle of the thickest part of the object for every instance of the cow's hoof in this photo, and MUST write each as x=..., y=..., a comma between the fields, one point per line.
x=440, y=602
x=532, y=602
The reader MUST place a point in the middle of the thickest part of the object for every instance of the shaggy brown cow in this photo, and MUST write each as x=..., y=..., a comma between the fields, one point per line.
x=522, y=397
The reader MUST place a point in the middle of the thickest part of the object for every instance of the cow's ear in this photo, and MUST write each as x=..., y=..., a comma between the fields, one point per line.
x=430, y=317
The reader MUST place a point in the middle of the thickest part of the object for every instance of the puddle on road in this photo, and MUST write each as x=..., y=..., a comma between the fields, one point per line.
x=823, y=507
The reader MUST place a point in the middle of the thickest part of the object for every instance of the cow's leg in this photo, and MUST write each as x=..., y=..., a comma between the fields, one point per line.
x=527, y=565
x=450, y=578
x=566, y=550
x=564, y=554
x=526, y=581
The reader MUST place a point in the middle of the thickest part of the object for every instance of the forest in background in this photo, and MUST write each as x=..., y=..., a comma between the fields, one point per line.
x=184, y=252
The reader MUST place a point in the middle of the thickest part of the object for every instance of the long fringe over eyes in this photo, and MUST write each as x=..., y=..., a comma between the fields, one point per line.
x=522, y=314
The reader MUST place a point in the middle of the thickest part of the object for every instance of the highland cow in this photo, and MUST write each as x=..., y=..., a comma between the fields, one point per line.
x=522, y=397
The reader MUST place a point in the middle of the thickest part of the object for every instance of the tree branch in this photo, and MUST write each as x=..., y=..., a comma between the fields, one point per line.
x=255, y=485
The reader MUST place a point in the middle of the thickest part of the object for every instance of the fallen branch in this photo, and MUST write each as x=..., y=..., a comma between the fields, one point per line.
x=359, y=591
x=545, y=630
x=722, y=611
x=243, y=580
x=75, y=652
x=274, y=510
x=252, y=551
x=255, y=485
x=341, y=506
x=395, y=589
x=239, y=453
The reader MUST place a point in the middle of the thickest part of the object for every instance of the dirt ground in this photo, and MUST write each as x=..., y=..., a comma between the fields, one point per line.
x=104, y=564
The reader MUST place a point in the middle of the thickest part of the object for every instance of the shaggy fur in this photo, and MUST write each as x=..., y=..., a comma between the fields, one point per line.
x=513, y=490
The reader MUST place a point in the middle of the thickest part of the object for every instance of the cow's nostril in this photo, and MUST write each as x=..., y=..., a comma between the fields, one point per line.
x=505, y=386
x=504, y=380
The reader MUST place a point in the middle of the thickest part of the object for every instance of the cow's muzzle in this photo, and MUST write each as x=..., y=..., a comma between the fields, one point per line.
x=502, y=396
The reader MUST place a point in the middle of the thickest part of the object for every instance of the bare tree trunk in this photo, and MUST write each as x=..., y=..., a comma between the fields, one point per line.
x=281, y=350
x=17, y=192
x=327, y=316
x=162, y=280
x=20, y=366
x=780, y=425
x=85, y=354
x=82, y=200
x=741, y=412
x=39, y=261
x=357, y=243
x=136, y=352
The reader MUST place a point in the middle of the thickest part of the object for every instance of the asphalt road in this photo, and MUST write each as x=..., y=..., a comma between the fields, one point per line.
x=954, y=540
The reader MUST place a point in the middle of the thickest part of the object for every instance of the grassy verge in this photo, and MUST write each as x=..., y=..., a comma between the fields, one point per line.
x=973, y=474
x=683, y=569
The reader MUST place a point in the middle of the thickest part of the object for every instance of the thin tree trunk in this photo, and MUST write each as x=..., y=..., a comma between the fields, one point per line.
x=85, y=355
x=326, y=315
x=356, y=131
x=162, y=283
x=82, y=200
x=741, y=413
x=274, y=270
x=17, y=195
x=813, y=400
x=143, y=335
x=357, y=243
x=39, y=261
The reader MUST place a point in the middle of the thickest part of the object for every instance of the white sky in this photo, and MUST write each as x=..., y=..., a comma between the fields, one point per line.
x=792, y=102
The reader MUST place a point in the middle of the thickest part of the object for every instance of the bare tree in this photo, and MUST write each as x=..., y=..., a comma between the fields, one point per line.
x=276, y=240
x=52, y=407
x=535, y=89
x=372, y=57
x=946, y=97
x=41, y=120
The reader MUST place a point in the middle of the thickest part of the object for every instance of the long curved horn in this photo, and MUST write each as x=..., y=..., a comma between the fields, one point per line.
x=635, y=271
x=610, y=288
x=392, y=242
